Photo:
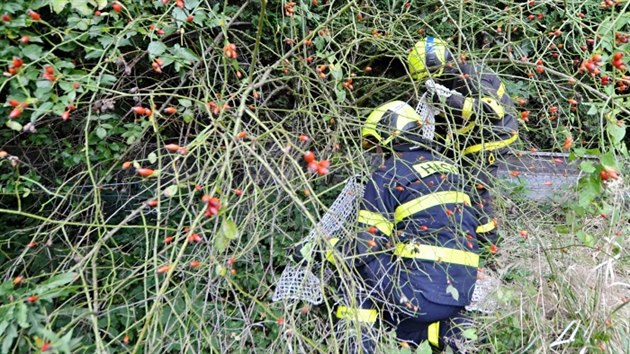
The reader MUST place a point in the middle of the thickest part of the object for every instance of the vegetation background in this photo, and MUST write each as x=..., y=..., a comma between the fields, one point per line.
x=120, y=116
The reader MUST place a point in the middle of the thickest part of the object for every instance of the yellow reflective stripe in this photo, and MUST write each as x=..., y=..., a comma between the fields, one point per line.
x=406, y=112
x=486, y=227
x=377, y=220
x=496, y=106
x=466, y=129
x=406, y=115
x=359, y=315
x=490, y=146
x=467, y=110
x=501, y=90
x=436, y=254
x=431, y=167
x=434, y=334
x=417, y=67
x=428, y=201
x=440, y=51
x=329, y=253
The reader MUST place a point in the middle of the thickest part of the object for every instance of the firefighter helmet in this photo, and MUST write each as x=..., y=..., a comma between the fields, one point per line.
x=428, y=55
x=393, y=122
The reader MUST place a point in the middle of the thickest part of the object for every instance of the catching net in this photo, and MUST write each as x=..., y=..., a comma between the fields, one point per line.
x=481, y=300
x=427, y=112
x=298, y=282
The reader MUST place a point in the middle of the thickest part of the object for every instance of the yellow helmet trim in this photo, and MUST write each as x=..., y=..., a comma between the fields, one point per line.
x=417, y=57
x=406, y=115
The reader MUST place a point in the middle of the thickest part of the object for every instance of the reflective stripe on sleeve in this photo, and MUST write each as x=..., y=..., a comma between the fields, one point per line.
x=466, y=129
x=436, y=254
x=377, y=220
x=490, y=146
x=486, y=227
x=467, y=110
x=359, y=315
x=496, y=106
x=501, y=90
x=430, y=200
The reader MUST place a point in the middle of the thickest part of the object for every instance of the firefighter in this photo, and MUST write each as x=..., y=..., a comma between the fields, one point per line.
x=478, y=122
x=416, y=250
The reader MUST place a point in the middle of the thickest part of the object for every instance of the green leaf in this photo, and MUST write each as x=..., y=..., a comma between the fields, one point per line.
x=101, y=4
x=5, y=288
x=220, y=270
x=587, y=167
x=32, y=51
x=171, y=191
x=180, y=16
x=82, y=7
x=14, y=125
x=156, y=49
x=152, y=157
x=108, y=80
x=335, y=70
x=58, y=5
x=586, y=239
x=184, y=53
x=616, y=132
x=21, y=315
x=220, y=243
x=341, y=94
x=3, y=326
x=453, y=291
x=101, y=132
x=470, y=333
x=56, y=281
x=589, y=188
x=592, y=110
x=579, y=152
x=41, y=110
x=424, y=348
x=228, y=229
x=608, y=160
x=10, y=334
x=185, y=103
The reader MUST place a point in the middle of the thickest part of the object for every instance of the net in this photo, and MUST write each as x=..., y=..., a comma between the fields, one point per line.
x=427, y=112
x=482, y=301
x=298, y=282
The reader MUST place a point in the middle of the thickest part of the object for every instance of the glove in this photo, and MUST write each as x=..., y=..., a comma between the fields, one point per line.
x=441, y=91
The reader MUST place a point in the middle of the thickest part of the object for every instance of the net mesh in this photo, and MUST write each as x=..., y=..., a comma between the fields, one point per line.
x=427, y=112
x=298, y=282
x=482, y=301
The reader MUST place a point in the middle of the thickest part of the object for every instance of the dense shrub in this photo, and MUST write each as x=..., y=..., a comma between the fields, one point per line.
x=119, y=116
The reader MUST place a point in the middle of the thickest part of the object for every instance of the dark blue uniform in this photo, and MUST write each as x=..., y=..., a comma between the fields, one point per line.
x=417, y=248
x=483, y=120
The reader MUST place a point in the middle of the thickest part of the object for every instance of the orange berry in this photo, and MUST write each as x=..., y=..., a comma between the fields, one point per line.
x=164, y=269
x=172, y=147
